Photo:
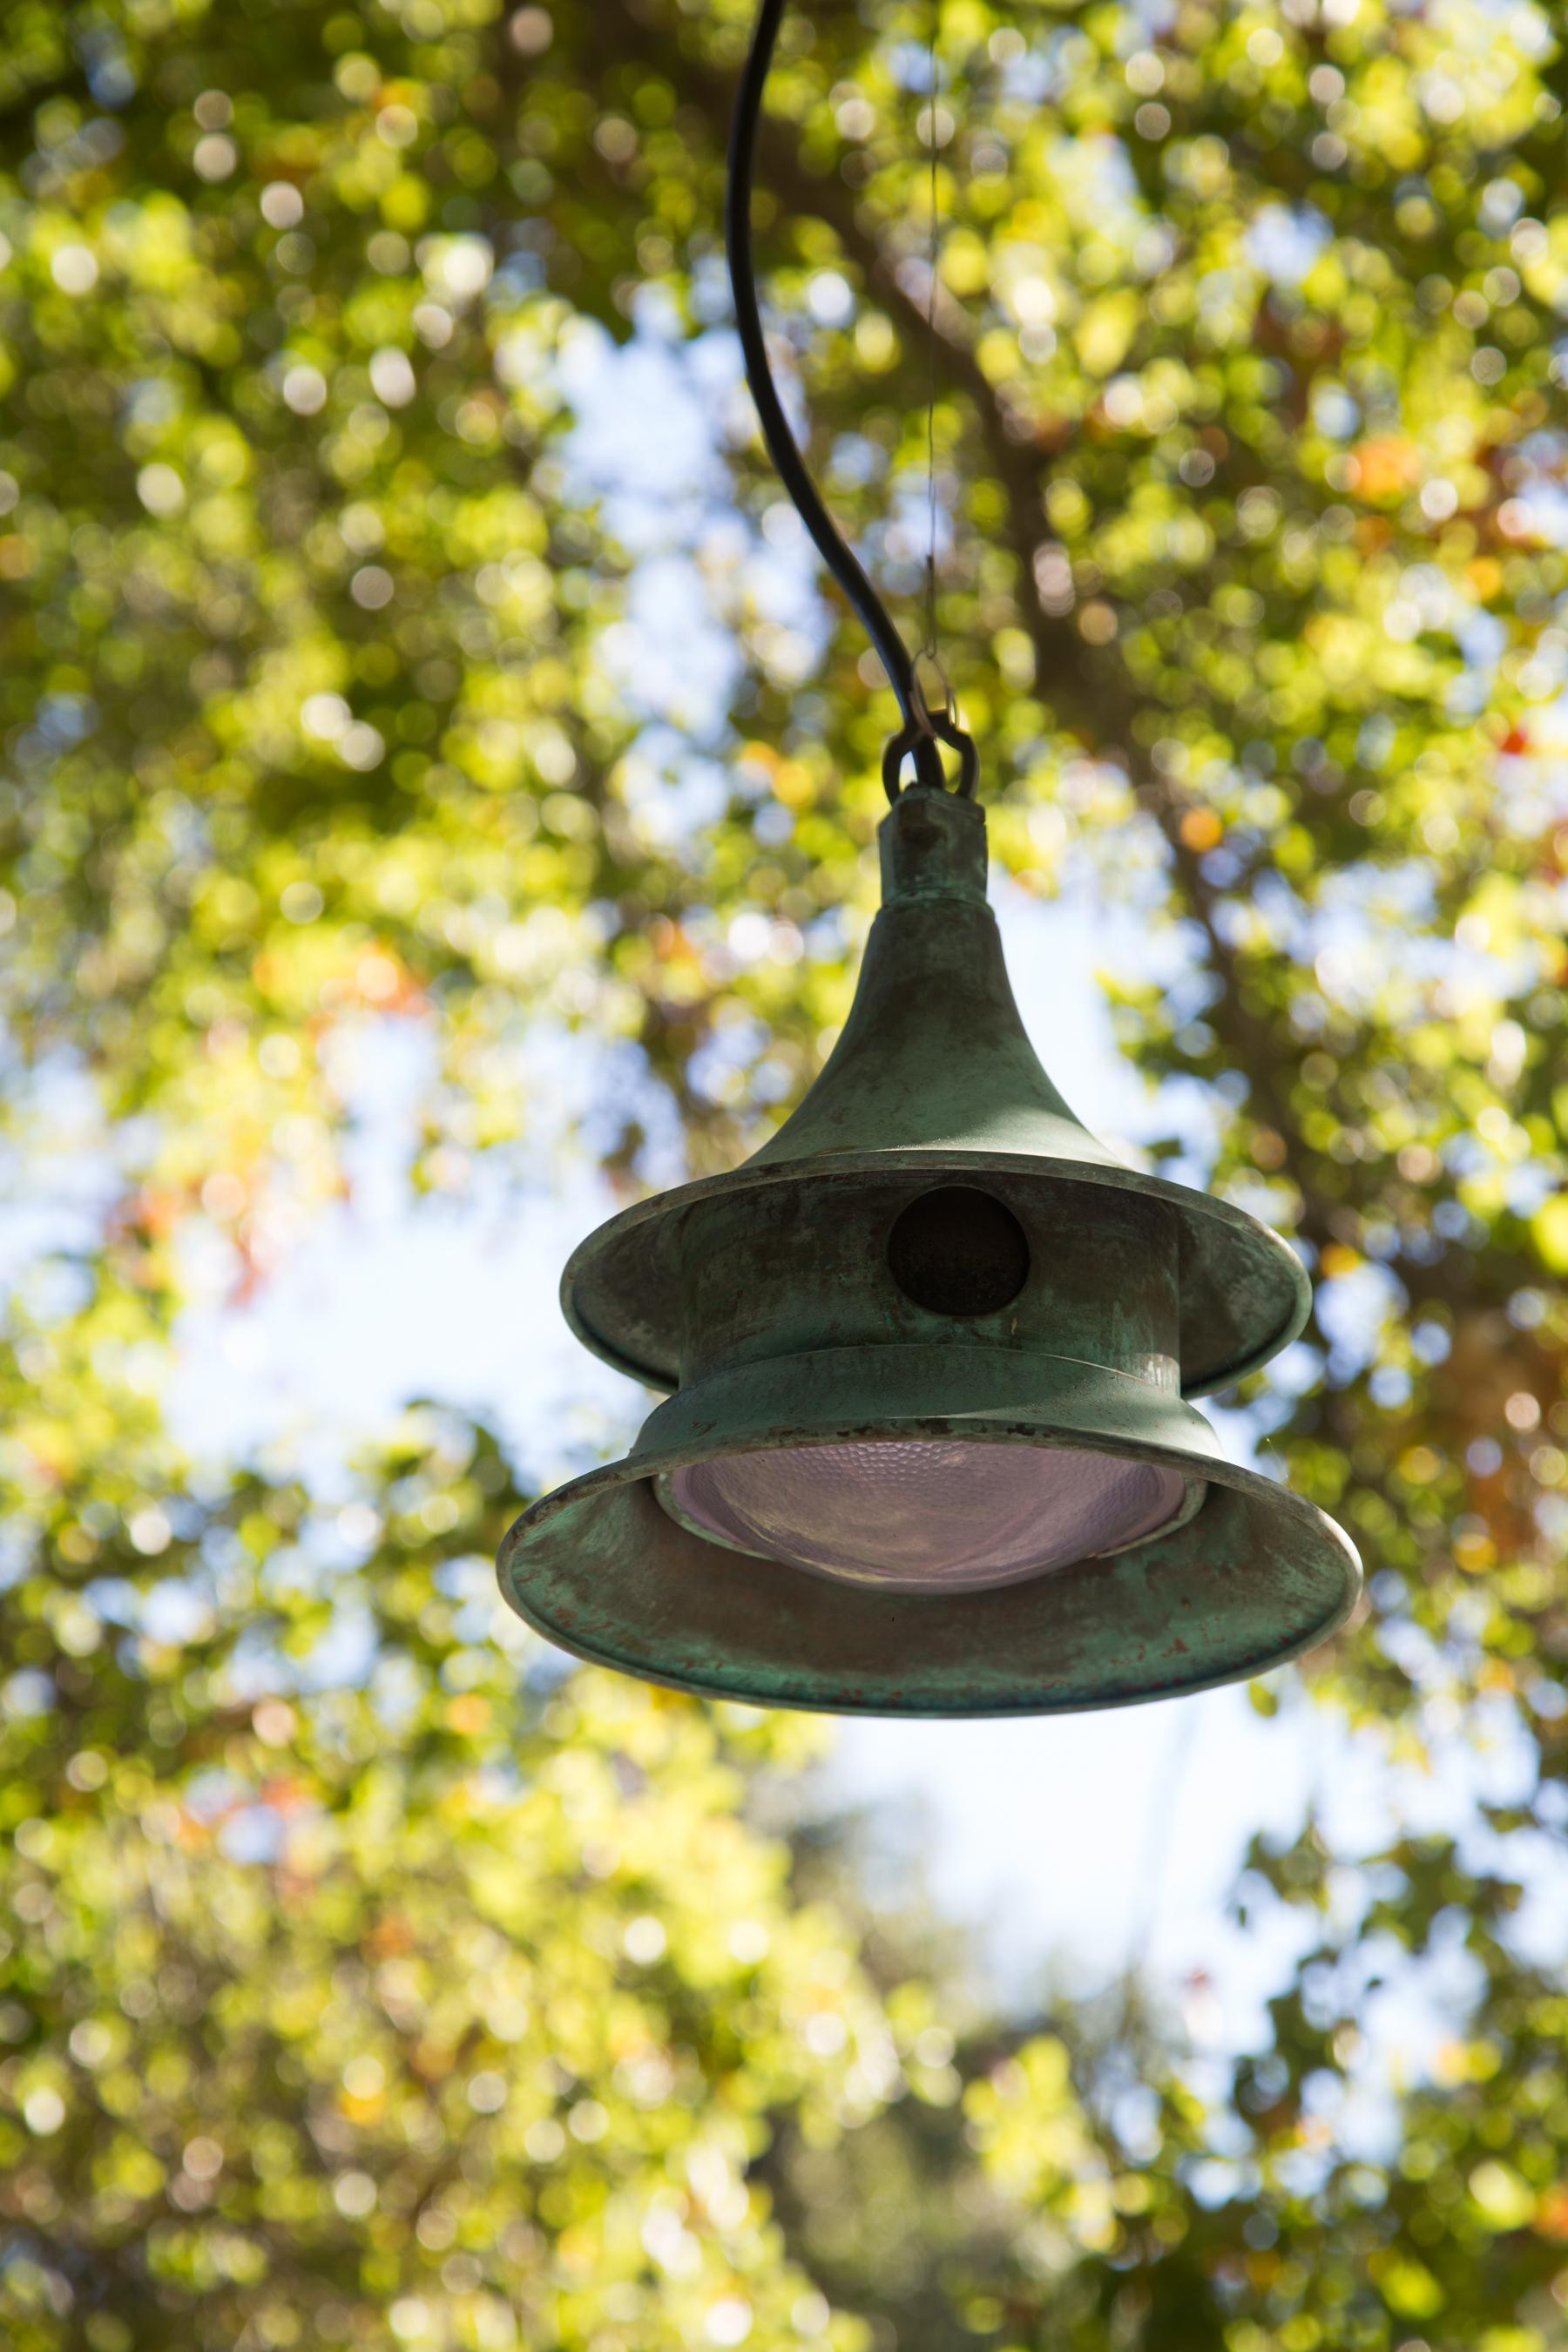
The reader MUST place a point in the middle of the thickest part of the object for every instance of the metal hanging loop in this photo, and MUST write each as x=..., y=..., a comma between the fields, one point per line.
x=942, y=727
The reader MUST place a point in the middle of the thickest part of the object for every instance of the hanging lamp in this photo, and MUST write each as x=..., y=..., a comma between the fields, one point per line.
x=926, y=1447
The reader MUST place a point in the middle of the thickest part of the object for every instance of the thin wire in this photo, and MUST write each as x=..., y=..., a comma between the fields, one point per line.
x=931, y=650
x=1164, y=1798
x=920, y=729
x=931, y=645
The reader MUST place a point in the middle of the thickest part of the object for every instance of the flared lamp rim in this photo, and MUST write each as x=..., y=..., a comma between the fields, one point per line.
x=621, y=1288
x=1254, y=1579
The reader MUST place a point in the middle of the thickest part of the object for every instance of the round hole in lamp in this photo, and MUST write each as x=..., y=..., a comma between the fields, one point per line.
x=958, y=1251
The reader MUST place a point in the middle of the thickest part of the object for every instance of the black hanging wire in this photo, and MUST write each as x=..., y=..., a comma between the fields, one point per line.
x=931, y=650
x=923, y=729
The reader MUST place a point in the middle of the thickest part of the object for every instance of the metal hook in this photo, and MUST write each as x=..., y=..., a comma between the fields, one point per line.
x=942, y=729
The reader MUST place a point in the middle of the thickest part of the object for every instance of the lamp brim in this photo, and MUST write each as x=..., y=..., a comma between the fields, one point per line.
x=1243, y=1293
x=1255, y=1577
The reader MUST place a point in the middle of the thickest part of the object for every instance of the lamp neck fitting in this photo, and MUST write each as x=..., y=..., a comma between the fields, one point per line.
x=932, y=846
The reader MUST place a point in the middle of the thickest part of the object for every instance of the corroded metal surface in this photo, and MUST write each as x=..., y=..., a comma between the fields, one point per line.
x=806, y=1400
x=806, y=1266
x=934, y=1078
x=1255, y=1577
x=771, y=1302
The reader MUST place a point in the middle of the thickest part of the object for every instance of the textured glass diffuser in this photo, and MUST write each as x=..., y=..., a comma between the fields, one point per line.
x=927, y=1516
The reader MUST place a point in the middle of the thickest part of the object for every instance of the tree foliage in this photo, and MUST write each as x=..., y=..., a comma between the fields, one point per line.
x=356, y=1979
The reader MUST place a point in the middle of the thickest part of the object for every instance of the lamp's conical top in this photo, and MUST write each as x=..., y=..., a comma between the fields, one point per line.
x=934, y=1058
x=934, y=1073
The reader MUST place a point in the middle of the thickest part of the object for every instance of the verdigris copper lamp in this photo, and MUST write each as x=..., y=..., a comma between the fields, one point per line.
x=926, y=1448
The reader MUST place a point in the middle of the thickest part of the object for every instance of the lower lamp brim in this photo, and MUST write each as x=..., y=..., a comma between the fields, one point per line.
x=1254, y=1578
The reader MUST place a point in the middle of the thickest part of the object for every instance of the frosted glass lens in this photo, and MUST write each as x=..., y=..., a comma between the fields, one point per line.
x=918, y=1516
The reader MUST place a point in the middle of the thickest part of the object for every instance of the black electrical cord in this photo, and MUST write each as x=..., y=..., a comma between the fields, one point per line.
x=921, y=727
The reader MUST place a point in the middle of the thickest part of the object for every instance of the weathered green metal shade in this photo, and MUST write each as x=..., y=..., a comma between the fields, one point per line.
x=933, y=1257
